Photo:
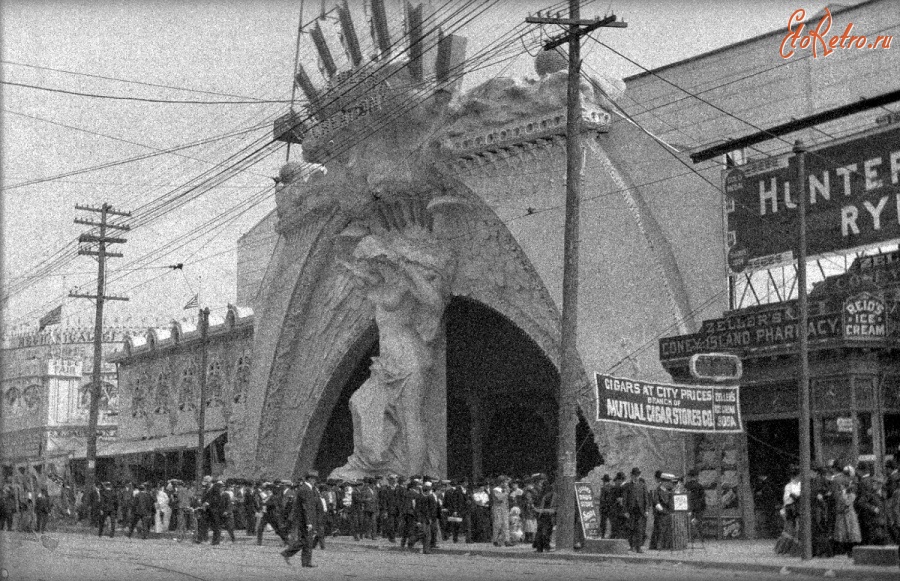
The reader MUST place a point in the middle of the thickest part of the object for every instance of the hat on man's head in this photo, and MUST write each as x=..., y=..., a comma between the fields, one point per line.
x=619, y=476
x=635, y=471
x=427, y=484
x=605, y=478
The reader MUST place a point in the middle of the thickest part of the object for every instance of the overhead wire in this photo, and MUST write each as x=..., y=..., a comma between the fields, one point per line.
x=247, y=156
x=129, y=81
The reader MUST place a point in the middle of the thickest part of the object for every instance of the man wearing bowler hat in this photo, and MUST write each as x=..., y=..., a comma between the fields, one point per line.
x=304, y=517
x=637, y=507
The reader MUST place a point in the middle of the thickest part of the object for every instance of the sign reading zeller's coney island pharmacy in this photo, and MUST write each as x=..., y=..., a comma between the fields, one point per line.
x=853, y=200
x=865, y=317
x=683, y=408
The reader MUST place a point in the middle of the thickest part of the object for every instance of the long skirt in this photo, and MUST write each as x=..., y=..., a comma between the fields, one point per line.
x=789, y=543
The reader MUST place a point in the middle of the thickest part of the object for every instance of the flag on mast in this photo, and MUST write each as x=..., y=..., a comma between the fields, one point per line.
x=194, y=303
x=54, y=317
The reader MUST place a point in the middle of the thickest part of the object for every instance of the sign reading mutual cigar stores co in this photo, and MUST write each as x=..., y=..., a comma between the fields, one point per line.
x=683, y=408
x=853, y=200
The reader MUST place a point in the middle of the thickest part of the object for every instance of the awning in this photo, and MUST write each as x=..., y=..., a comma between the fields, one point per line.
x=162, y=444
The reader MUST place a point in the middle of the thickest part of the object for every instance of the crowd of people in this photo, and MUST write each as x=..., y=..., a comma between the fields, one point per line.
x=410, y=510
x=849, y=506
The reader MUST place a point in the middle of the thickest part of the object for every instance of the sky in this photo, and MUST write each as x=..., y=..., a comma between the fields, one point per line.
x=51, y=143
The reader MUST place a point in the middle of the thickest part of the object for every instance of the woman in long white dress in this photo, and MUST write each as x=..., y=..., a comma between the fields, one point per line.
x=163, y=512
x=789, y=542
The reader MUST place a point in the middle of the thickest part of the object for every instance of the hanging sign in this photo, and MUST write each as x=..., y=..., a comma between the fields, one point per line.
x=865, y=317
x=683, y=408
x=590, y=524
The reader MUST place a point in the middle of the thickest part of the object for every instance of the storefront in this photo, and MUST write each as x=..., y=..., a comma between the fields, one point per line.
x=854, y=356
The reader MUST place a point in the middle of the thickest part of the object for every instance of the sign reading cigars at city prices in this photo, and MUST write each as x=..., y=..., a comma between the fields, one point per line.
x=683, y=408
x=590, y=524
x=852, y=200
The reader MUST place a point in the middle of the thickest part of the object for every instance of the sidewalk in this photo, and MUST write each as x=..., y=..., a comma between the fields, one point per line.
x=733, y=555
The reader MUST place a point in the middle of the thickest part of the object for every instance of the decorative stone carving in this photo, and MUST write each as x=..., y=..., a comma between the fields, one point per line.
x=407, y=278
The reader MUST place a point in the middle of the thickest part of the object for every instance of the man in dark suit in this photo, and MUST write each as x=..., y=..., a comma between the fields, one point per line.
x=214, y=508
x=410, y=531
x=142, y=511
x=457, y=505
x=637, y=507
x=109, y=508
x=304, y=518
x=428, y=510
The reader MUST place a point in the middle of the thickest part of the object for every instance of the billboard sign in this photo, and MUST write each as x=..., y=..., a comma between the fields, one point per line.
x=682, y=408
x=853, y=201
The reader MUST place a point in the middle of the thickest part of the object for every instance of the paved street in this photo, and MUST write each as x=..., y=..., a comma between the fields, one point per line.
x=83, y=557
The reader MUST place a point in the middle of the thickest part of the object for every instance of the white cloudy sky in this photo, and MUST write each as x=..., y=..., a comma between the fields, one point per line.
x=212, y=50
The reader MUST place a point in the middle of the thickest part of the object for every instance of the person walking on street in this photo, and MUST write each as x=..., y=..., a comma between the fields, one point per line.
x=142, y=511
x=270, y=516
x=250, y=508
x=409, y=531
x=42, y=511
x=109, y=509
x=457, y=506
x=546, y=513
x=500, y=512
x=213, y=507
x=228, y=510
x=163, y=511
x=637, y=507
x=428, y=511
x=303, y=520
x=185, y=510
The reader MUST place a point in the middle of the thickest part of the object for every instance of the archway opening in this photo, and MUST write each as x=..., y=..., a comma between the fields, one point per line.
x=501, y=399
x=337, y=439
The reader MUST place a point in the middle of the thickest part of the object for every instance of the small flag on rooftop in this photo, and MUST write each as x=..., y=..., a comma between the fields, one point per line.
x=54, y=317
x=194, y=303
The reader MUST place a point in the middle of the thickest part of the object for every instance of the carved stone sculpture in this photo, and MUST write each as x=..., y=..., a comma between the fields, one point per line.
x=406, y=277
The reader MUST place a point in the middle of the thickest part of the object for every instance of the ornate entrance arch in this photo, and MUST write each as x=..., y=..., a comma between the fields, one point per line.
x=317, y=324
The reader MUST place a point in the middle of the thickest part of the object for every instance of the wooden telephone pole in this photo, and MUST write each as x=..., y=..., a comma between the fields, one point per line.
x=101, y=253
x=568, y=366
x=203, y=323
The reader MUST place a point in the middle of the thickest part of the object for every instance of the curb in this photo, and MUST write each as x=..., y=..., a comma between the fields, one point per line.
x=799, y=569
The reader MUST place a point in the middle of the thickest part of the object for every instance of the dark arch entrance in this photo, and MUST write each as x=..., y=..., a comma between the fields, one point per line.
x=495, y=372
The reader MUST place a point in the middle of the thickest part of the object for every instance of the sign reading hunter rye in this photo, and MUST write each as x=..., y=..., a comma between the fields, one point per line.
x=683, y=408
x=853, y=201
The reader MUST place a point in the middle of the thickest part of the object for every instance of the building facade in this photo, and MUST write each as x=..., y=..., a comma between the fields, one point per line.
x=159, y=373
x=46, y=378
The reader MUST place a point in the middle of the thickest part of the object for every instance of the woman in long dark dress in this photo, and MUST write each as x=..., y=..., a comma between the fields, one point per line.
x=822, y=514
x=661, y=538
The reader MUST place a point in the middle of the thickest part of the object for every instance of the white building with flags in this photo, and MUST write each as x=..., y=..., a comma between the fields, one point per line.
x=45, y=378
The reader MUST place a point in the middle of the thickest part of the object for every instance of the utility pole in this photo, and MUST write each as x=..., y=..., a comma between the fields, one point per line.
x=101, y=253
x=203, y=322
x=568, y=366
x=805, y=447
